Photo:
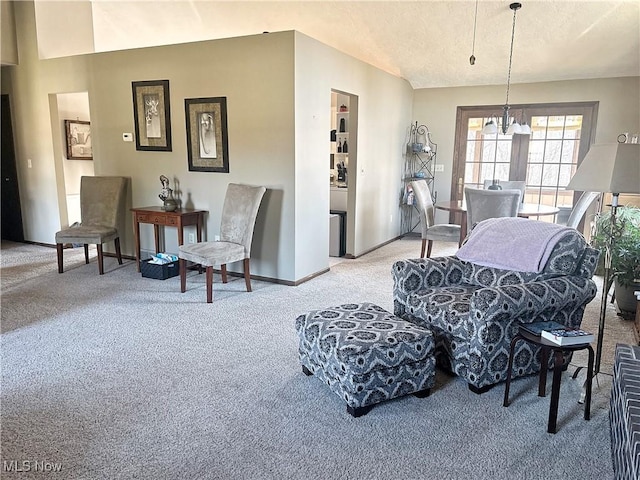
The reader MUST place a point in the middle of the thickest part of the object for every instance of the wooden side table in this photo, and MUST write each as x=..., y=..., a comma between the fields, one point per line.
x=156, y=216
x=557, y=350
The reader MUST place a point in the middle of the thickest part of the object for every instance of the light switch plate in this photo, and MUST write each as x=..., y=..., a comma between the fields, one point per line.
x=438, y=167
x=127, y=137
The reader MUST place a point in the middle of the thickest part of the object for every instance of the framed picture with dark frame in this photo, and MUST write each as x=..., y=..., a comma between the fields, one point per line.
x=207, y=143
x=78, y=140
x=152, y=115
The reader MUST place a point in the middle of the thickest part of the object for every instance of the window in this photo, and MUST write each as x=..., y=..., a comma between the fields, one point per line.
x=546, y=160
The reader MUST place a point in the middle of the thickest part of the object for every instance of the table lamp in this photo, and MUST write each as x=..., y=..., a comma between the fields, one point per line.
x=608, y=168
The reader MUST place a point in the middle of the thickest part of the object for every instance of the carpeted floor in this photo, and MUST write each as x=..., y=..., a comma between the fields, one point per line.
x=119, y=376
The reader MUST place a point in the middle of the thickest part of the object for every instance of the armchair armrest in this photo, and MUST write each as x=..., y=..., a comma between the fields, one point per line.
x=532, y=301
x=415, y=274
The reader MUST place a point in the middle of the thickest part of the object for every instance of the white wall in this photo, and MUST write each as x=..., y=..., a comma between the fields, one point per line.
x=383, y=112
x=74, y=18
x=619, y=111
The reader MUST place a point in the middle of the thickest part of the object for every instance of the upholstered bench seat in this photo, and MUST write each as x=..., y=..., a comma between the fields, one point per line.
x=365, y=354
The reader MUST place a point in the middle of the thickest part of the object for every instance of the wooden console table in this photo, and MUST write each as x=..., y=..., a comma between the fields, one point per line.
x=156, y=216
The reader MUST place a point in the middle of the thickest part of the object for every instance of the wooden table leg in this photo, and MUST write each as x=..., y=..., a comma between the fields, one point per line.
x=587, y=402
x=180, y=233
x=156, y=236
x=182, y=264
x=555, y=392
x=136, y=236
x=199, y=227
x=544, y=367
x=505, y=402
x=463, y=227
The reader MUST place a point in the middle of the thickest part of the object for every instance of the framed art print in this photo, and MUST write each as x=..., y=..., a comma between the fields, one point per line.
x=207, y=144
x=152, y=115
x=78, y=135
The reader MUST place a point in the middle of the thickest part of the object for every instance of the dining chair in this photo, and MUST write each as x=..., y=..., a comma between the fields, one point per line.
x=239, y=212
x=431, y=231
x=580, y=208
x=509, y=185
x=484, y=204
x=101, y=208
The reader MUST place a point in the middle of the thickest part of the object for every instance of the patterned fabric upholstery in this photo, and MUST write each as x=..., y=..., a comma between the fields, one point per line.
x=475, y=311
x=365, y=354
x=624, y=414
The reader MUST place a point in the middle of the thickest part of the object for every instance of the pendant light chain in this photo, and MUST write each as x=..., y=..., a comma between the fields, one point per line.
x=514, y=128
x=472, y=59
x=514, y=7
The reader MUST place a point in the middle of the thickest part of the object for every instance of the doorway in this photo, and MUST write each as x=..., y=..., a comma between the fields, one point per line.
x=12, y=228
x=71, y=106
x=342, y=174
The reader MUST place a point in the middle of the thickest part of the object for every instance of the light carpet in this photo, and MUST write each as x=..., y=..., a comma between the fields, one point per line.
x=119, y=376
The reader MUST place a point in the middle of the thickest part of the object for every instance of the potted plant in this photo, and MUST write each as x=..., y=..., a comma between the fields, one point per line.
x=625, y=253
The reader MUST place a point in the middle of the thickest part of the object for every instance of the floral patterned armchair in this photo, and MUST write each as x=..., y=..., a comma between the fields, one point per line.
x=474, y=311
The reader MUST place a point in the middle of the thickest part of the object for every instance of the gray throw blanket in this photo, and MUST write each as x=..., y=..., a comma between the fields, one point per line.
x=512, y=243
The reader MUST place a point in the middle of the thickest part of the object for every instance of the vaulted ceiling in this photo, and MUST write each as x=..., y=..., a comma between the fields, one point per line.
x=427, y=42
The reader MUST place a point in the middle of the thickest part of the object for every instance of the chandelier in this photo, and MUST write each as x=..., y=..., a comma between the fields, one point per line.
x=514, y=128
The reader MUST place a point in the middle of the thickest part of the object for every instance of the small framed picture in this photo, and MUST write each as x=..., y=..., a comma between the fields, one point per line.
x=152, y=115
x=78, y=140
x=207, y=144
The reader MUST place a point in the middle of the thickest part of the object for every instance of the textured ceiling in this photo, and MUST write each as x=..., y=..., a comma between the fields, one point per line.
x=426, y=42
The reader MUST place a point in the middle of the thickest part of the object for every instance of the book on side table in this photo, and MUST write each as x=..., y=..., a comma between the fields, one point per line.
x=567, y=336
x=557, y=333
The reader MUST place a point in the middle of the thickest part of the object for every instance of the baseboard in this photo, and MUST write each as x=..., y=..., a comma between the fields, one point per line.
x=277, y=281
x=256, y=277
x=40, y=244
x=68, y=246
x=380, y=245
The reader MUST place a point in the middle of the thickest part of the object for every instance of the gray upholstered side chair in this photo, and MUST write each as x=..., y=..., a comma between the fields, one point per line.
x=101, y=208
x=580, y=208
x=431, y=231
x=239, y=213
x=484, y=204
x=510, y=185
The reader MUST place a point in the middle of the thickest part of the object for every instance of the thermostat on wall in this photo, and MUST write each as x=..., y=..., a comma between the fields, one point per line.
x=127, y=137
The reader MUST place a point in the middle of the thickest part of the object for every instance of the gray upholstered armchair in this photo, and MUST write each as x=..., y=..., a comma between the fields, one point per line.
x=474, y=310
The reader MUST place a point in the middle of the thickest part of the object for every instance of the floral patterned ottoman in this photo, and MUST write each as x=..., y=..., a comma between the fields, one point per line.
x=365, y=354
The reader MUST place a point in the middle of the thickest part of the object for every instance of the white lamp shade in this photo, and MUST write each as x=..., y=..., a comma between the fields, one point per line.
x=610, y=168
x=525, y=129
x=514, y=129
x=490, y=128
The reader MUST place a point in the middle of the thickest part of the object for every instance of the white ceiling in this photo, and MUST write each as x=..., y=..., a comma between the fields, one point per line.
x=427, y=42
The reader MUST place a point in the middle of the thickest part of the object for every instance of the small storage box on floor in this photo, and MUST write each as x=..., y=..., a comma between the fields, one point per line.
x=159, y=272
x=365, y=354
